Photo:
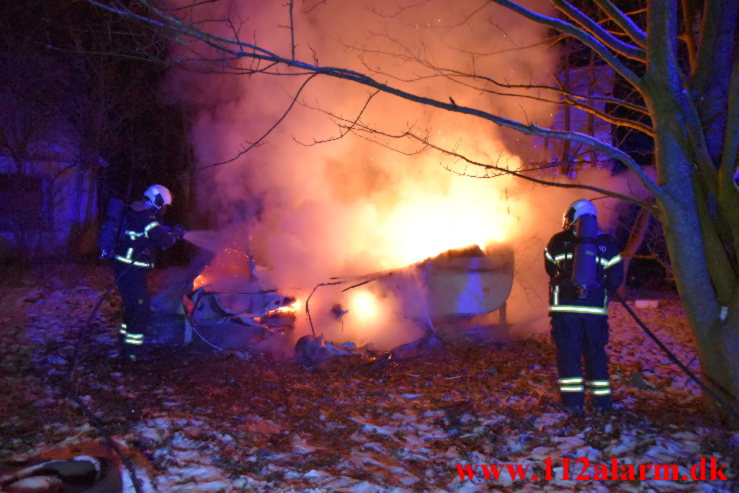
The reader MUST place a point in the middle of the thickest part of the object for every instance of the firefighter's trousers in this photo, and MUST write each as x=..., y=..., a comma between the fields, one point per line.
x=132, y=286
x=577, y=338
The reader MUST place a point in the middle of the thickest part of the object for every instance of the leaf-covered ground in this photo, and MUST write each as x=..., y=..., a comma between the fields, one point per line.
x=204, y=421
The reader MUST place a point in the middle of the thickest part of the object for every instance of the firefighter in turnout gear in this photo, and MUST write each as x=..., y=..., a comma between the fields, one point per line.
x=140, y=236
x=585, y=268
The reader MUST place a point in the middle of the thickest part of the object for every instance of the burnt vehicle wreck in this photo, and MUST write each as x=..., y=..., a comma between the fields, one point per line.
x=439, y=295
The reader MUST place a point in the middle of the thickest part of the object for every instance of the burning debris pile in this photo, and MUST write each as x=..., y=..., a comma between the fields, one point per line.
x=235, y=320
x=399, y=310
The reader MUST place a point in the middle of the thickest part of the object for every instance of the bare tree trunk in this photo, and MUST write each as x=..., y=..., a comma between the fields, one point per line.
x=21, y=220
x=716, y=338
x=636, y=238
x=75, y=229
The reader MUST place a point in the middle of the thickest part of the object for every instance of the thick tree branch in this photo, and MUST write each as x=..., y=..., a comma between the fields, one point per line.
x=717, y=40
x=584, y=37
x=722, y=274
x=624, y=22
x=615, y=44
x=662, y=64
x=689, y=21
x=620, y=122
x=706, y=166
x=728, y=196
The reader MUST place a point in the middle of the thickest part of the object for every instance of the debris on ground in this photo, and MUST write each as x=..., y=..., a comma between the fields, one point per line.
x=218, y=421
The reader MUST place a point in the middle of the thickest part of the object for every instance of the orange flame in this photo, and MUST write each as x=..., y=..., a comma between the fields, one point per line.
x=285, y=310
x=199, y=282
x=471, y=212
x=227, y=262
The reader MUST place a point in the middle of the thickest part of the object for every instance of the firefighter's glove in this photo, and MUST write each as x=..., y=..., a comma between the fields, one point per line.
x=178, y=231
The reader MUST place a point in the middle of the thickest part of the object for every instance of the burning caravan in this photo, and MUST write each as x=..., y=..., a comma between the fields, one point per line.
x=436, y=293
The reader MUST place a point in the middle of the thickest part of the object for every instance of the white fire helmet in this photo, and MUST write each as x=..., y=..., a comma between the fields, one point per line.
x=158, y=195
x=582, y=207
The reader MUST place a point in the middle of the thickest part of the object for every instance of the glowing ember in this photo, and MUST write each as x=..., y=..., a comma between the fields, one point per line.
x=285, y=310
x=199, y=282
x=228, y=262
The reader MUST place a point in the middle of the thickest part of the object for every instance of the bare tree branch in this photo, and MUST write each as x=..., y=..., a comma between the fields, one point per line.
x=265, y=134
x=516, y=173
x=584, y=37
x=355, y=126
x=194, y=4
x=455, y=75
x=398, y=10
x=237, y=49
x=292, y=32
x=620, y=122
x=346, y=130
x=636, y=34
x=596, y=30
x=664, y=66
x=317, y=4
x=569, y=97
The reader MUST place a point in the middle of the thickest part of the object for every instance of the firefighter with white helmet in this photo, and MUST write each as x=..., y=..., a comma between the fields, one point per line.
x=141, y=234
x=158, y=196
x=585, y=269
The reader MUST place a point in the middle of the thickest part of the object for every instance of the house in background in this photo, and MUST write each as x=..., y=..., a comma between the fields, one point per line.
x=48, y=202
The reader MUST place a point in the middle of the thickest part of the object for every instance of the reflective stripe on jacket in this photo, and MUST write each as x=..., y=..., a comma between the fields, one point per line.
x=141, y=236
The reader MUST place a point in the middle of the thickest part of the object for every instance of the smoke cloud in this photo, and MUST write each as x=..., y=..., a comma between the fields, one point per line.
x=357, y=205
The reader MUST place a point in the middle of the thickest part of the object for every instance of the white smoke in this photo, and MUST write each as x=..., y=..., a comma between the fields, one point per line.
x=350, y=206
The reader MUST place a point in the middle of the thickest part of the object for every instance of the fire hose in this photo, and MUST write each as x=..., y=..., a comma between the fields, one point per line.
x=719, y=399
x=71, y=390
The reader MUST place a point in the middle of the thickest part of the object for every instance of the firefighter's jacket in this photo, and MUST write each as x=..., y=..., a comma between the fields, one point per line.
x=564, y=296
x=141, y=236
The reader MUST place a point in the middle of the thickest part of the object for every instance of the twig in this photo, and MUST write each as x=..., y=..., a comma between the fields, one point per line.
x=264, y=136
